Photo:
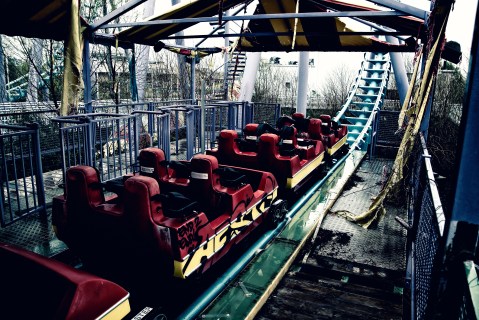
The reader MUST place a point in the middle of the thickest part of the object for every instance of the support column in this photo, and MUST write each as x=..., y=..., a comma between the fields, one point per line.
x=400, y=73
x=87, y=75
x=226, y=60
x=303, y=73
x=182, y=70
x=249, y=76
x=193, y=83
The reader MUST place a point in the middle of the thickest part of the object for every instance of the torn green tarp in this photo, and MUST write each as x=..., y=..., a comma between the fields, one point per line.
x=416, y=112
x=72, y=74
x=186, y=51
x=406, y=105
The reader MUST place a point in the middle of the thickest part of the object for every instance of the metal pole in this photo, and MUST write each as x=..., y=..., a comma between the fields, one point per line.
x=301, y=15
x=116, y=13
x=226, y=59
x=202, y=119
x=193, y=74
x=249, y=76
x=402, y=82
x=87, y=75
x=39, y=172
x=303, y=73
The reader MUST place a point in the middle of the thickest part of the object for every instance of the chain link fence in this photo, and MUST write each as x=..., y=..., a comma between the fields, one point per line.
x=426, y=220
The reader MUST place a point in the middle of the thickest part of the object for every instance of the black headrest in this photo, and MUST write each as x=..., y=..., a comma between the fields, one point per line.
x=302, y=124
x=181, y=169
x=286, y=132
x=265, y=128
x=284, y=120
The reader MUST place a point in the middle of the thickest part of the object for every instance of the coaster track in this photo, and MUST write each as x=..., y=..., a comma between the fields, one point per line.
x=359, y=113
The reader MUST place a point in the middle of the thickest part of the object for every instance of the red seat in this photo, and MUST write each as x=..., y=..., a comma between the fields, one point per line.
x=290, y=145
x=269, y=154
x=157, y=236
x=301, y=123
x=232, y=152
x=153, y=164
x=205, y=182
x=250, y=132
x=331, y=133
x=284, y=121
x=35, y=287
x=217, y=199
x=297, y=115
x=92, y=226
x=143, y=212
x=314, y=129
x=288, y=141
x=286, y=167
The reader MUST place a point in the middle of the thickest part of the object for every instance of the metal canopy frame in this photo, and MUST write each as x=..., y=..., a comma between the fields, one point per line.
x=336, y=14
x=116, y=13
x=395, y=10
x=401, y=7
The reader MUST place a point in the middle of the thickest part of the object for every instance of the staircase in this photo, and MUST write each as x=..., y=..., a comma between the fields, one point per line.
x=236, y=65
x=365, y=99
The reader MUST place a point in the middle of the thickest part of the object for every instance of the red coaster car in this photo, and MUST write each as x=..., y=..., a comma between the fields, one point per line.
x=194, y=233
x=185, y=230
x=241, y=152
x=291, y=163
x=292, y=160
x=332, y=134
x=35, y=287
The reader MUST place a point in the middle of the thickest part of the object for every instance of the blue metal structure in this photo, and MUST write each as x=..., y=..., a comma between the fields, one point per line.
x=364, y=101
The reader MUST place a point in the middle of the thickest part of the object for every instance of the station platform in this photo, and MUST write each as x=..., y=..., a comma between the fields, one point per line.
x=34, y=232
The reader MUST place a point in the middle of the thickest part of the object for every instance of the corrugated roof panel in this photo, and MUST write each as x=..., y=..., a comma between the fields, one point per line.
x=149, y=35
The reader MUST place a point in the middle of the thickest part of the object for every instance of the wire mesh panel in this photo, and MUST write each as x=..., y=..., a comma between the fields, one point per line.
x=387, y=130
x=21, y=173
x=427, y=246
x=427, y=219
x=266, y=112
x=154, y=128
x=115, y=144
x=108, y=142
x=216, y=119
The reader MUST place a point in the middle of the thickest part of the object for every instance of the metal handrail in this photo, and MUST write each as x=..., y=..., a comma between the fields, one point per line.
x=436, y=200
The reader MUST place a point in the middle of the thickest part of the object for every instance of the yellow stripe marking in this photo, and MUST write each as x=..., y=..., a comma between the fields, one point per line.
x=118, y=312
x=304, y=172
x=338, y=145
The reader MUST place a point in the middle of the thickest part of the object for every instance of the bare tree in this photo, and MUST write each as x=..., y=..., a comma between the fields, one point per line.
x=445, y=118
x=273, y=84
x=34, y=74
x=39, y=82
x=143, y=57
x=184, y=84
x=335, y=89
